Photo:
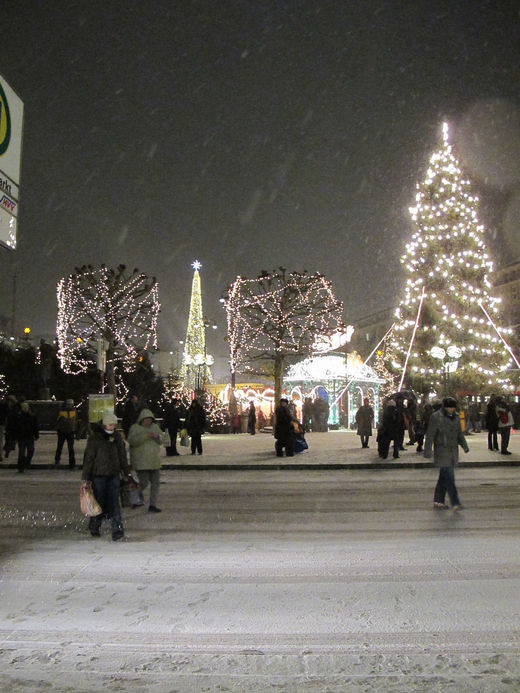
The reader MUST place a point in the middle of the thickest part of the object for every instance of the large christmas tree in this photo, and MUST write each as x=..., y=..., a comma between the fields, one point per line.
x=196, y=363
x=443, y=340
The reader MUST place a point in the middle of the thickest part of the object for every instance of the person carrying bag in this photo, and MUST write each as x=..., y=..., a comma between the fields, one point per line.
x=103, y=463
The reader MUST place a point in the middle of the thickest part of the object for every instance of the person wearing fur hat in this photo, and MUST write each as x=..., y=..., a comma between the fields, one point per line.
x=444, y=435
x=104, y=461
x=145, y=439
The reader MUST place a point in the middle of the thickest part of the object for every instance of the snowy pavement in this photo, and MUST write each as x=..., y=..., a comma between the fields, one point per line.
x=264, y=580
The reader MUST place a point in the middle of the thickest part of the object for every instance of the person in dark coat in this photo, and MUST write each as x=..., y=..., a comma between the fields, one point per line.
x=365, y=420
x=411, y=417
x=66, y=427
x=389, y=431
x=3, y=417
x=424, y=411
x=13, y=409
x=401, y=418
x=172, y=423
x=505, y=421
x=492, y=423
x=444, y=435
x=103, y=463
x=26, y=432
x=284, y=429
x=131, y=411
x=251, y=419
x=195, y=425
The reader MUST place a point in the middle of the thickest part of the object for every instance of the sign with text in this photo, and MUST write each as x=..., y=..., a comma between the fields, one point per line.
x=11, y=126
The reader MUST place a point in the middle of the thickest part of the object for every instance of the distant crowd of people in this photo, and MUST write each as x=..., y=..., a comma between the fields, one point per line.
x=111, y=456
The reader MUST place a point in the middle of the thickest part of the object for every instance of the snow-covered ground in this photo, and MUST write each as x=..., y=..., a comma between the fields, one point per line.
x=264, y=580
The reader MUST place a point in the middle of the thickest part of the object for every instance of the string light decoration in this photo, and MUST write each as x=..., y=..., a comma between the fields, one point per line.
x=113, y=306
x=3, y=386
x=216, y=413
x=448, y=267
x=196, y=363
x=382, y=371
x=277, y=315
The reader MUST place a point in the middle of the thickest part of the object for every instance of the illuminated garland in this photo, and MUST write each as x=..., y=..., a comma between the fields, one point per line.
x=279, y=314
x=447, y=257
x=118, y=307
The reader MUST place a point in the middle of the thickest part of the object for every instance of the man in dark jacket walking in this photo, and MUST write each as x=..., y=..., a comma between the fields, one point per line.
x=103, y=462
x=444, y=435
x=26, y=432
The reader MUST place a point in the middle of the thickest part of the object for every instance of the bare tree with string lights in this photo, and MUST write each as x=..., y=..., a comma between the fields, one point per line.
x=106, y=311
x=276, y=316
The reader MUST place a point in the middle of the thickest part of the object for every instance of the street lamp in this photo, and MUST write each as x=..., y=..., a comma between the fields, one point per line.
x=449, y=358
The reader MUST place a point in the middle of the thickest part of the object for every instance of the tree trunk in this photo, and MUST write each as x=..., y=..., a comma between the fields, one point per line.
x=110, y=379
x=279, y=360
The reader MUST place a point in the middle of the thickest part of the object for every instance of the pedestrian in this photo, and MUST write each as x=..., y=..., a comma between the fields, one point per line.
x=3, y=418
x=401, y=420
x=104, y=461
x=505, y=421
x=13, y=409
x=66, y=426
x=283, y=429
x=389, y=431
x=411, y=419
x=444, y=435
x=195, y=425
x=144, y=439
x=251, y=419
x=235, y=423
x=424, y=411
x=474, y=416
x=130, y=413
x=172, y=423
x=492, y=423
x=261, y=420
x=365, y=420
x=26, y=432
x=307, y=414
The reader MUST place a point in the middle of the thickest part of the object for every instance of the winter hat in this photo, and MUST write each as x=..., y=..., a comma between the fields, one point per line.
x=109, y=418
x=24, y=406
x=449, y=402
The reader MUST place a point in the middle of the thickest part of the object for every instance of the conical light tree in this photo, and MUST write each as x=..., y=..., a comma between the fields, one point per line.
x=196, y=363
x=446, y=336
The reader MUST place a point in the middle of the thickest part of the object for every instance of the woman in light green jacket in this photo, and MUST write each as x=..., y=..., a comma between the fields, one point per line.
x=145, y=440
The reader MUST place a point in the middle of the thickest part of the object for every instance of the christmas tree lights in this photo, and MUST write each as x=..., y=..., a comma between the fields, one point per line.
x=114, y=308
x=448, y=269
x=196, y=363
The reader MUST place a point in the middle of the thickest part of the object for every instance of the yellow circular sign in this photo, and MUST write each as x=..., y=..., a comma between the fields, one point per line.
x=5, y=122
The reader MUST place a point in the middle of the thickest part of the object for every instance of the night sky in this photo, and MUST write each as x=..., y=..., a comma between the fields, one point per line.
x=249, y=135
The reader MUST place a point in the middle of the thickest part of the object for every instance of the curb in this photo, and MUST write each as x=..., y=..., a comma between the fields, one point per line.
x=329, y=466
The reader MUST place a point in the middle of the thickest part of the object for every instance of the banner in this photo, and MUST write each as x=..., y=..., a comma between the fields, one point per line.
x=11, y=126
